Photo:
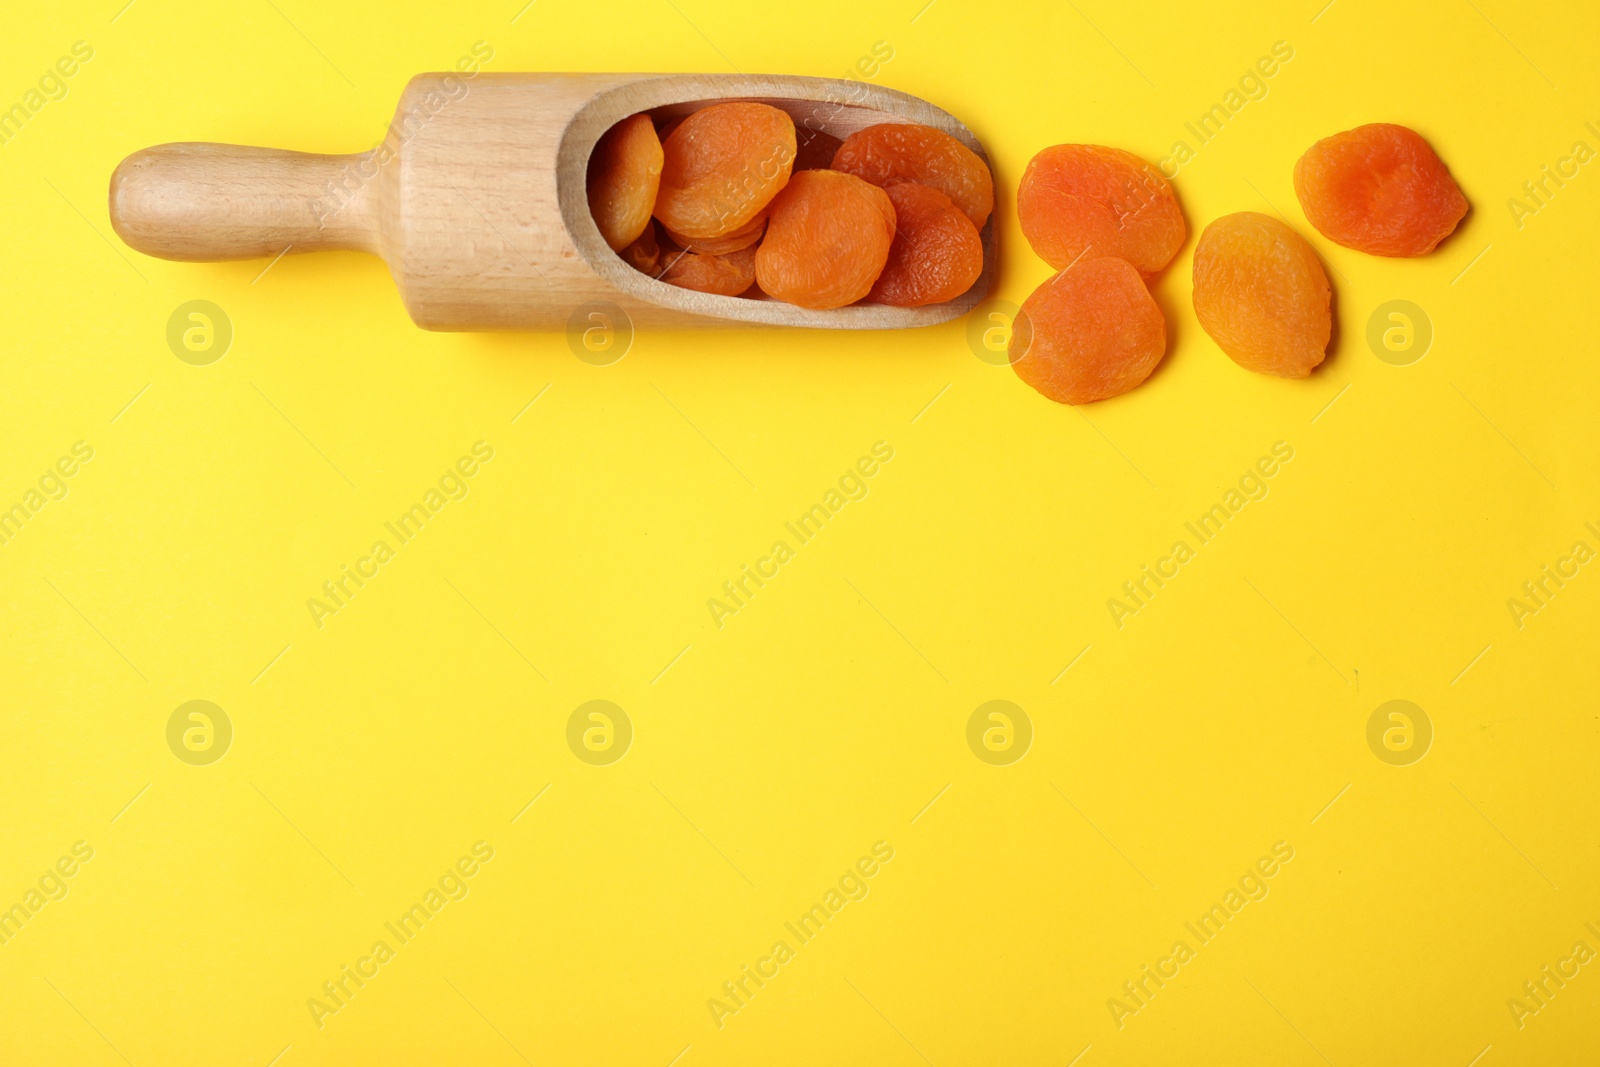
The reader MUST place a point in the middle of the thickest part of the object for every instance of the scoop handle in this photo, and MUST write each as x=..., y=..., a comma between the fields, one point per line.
x=196, y=202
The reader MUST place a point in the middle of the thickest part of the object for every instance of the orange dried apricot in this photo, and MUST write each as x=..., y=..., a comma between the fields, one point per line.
x=1261, y=293
x=743, y=237
x=644, y=254
x=723, y=165
x=1078, y=199
x=1379, y=188
x=1089, y=333
x=728, y=275
x=936, y=254
x=828, y=238
x=900, y=152
x=624, y=174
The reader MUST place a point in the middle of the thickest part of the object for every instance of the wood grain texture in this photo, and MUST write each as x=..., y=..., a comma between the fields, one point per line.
x=214, y=201
x=477, y=199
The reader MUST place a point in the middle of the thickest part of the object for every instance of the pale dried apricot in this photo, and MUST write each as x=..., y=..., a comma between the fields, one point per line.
x=723, y=165
x=728, y=275
x=828, y=238
x=743, y=237
x=936, y=254
x=1084, y=199
x=624, y=175
x=1379, y=188
x=1261, y=293
x=1089, y=333
x=892, y=153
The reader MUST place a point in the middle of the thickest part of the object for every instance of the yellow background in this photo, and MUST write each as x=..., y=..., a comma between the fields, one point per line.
x=771, y=753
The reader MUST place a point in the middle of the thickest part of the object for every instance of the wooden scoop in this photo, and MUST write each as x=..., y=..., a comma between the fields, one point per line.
x=477, y=199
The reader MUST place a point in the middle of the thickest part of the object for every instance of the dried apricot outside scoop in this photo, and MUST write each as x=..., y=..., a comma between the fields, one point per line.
x=1089, y=333
x=1262, y=295
x=1380, y=189
x=1084, y=199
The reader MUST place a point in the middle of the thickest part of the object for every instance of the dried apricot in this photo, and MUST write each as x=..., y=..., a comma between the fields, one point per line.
x=1078, y=199
x=644, y=254
x=900, y=152
x=723, y=165
x=728, y=275
x=1380, y=189
x=743, y=237
x=624, y=174
x=828, y=238
x=1089, y=333
x=936, y=254
x=1260, y=292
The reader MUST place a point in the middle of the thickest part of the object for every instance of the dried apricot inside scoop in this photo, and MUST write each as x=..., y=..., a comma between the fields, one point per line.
x=624, y=174
x=743, y=237
x=645, y=253
x=728, y=275
x=828, y=238
x=1089, y=333
x=1084, y=199
x=892, y=153
x=1261, y=293
x=1380, y=189
x=723, y=165
x=936, y=254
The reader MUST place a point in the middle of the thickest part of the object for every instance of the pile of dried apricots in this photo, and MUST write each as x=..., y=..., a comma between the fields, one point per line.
x=1108, y=221
x=731, y=200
